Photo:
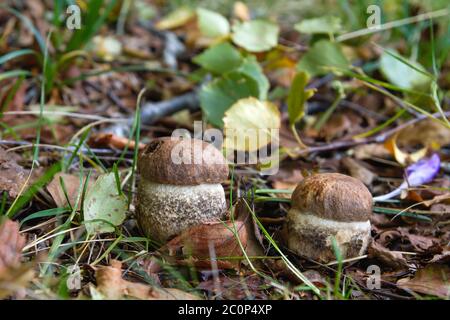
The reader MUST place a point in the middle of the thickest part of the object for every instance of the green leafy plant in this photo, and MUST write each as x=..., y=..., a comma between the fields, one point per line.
x=296, y=102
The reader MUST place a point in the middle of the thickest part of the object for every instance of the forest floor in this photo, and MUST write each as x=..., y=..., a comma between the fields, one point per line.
x=83, y=88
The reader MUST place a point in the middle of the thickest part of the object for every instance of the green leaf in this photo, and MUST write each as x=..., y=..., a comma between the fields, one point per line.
x=325, y=24
x=252, y=68
x=220, y=94
x=256, y=35
x=403, y=73
x=322, y=58
x=297, y=97
x=103, y=207
x=212, y=24
x=220, y=58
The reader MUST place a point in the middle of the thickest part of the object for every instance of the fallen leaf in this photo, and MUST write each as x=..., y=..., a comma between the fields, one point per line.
x=72, y=185
x=112, y=287
x=324, y=24
x=13, y=275
x=112, y=141
x=432, y=280
x=104, y=203
x=13, y=280
x=251, y=124
x=401, y=74
x=427, y=132
x=323, y=56
x=256, y=35
x=202, y=242
x=176, y=18
x=392, y=259
x=12, y=175
x=212, y=24
x=235, y=287
x=358, y=171
x=402, y=157
x=371, y=150
x=241, y=11
x=419, y=242
x=11, y=245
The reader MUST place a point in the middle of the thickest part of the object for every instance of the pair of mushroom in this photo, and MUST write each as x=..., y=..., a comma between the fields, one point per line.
x=175, y=195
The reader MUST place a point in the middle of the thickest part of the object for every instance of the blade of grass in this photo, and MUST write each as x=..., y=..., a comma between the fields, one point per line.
x=15, y=54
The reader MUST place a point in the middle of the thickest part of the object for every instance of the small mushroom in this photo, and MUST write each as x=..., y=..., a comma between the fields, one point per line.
x=327, y=206
x=180, y=186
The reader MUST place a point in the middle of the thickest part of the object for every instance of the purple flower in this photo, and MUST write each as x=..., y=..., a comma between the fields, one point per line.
x=421, y=172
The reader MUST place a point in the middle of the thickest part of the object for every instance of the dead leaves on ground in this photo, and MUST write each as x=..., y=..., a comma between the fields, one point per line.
x=12, y=175
x=112, y=286
x=433, y=280
x=14, y=277
x=216, y=245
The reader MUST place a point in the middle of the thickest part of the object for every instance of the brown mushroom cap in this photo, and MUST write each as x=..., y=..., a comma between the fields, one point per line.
x=182, y=161
x=333, y=196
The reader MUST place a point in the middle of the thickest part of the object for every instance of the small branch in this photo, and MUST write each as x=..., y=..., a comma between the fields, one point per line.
x=382, y=137
x=152, y=111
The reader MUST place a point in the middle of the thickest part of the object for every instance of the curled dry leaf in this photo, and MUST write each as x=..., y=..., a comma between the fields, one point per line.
x=390, y=258
x=402, y=157
x=432, y=280
x=111, y=285
x=195, y=243
x=113, y=141
x=218, y=239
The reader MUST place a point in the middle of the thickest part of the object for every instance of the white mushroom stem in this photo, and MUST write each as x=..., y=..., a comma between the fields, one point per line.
x=391, y=194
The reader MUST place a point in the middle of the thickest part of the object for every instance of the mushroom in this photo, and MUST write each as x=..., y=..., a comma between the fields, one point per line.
x=180, y=186
x=327, y=206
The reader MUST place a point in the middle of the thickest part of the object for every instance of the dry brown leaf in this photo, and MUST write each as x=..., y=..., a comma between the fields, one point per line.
x=13, y=276
x=427, y=132
x=419, y=242
x=11, y=245
x=72, y=185
x=434, y=280
x=217, y=238
x=112, y=141
x=392, y=259
x=111, y=285
x=358, y=171
x=13, y=280
x=12, y=175
x=371, y=150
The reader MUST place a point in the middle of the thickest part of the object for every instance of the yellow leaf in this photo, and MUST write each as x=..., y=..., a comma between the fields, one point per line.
x=251, y=124
x=400, y=156
x=176, y=19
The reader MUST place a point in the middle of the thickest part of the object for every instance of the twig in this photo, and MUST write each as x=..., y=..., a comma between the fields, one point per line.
x=376, y=139
x=153, y=111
